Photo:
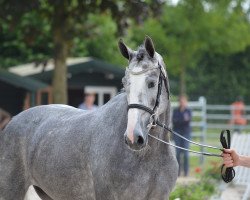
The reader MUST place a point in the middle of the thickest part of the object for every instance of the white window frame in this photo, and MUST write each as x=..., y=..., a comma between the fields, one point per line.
x=100, y=91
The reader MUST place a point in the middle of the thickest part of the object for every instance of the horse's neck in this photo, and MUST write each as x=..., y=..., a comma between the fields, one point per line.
x=116, y=108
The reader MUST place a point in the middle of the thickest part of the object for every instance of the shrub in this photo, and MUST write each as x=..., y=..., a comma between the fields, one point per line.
x=202, y=189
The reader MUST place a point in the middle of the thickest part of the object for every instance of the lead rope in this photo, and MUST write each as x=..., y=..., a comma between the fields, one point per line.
x=178, y=147
x=227, y=174
x=190, y=141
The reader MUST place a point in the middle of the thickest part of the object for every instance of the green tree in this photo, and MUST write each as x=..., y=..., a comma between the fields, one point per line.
x=187, y=31
x=67, y=19
x=29, y=40
x=221, y=72
x=101, y=39
x=178, y=36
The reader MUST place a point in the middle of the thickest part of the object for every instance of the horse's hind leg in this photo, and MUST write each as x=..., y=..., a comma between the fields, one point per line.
x=12, y=181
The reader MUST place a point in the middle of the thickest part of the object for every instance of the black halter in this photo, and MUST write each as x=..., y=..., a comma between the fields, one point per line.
x=162, y=79
x=227, y=174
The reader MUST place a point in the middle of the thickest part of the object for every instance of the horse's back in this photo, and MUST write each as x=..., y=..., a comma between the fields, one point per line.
x=33, y=117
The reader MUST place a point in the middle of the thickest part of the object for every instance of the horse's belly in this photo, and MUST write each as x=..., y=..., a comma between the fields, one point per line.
x=150, y=185
x=69, y=183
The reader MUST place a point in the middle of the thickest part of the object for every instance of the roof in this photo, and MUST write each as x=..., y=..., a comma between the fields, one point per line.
x=75, y=65
x=95, y=65
x=26, y=83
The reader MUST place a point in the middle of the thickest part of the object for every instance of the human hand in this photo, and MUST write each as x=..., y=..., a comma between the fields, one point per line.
x=230, y=158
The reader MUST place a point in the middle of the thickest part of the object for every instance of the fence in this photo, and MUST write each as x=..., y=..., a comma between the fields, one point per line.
x=219, y=117
x=209, y=120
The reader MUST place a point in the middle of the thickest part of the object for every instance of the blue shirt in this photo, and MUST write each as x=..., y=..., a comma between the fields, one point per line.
x=84, y=107
x=181, y=120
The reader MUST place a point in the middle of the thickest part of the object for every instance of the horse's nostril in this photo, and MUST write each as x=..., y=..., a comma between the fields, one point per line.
x=140, y=140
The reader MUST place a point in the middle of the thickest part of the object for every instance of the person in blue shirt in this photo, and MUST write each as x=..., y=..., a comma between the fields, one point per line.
x=88, y=104
x=181, y=120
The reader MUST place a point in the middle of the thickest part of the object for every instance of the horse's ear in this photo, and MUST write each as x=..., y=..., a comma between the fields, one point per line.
x=149, y=46
x=125, y=51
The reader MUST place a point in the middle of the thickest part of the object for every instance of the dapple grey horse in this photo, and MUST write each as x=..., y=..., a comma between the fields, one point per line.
x=67, y=153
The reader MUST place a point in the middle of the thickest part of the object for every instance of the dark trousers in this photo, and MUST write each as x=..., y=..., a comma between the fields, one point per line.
x=182, y=155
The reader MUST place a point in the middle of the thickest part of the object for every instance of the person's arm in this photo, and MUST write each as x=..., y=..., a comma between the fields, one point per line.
x=175, y=118
x=231, y=159
x=245, y=161
x=188, y=116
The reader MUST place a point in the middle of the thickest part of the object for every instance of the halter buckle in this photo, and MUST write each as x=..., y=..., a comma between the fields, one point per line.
x=152, y=121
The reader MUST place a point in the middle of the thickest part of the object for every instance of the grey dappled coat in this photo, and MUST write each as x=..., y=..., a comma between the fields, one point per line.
x=75, y=154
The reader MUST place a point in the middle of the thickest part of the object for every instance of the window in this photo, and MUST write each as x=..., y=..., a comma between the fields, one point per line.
x=104, y=94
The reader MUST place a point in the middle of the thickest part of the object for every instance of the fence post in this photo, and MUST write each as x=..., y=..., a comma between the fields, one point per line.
x=203, y=103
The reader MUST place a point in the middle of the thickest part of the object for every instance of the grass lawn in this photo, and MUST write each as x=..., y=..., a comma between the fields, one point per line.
x=196, y=167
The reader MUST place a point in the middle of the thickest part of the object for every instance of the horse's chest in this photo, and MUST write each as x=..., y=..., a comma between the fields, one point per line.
x=137, y=180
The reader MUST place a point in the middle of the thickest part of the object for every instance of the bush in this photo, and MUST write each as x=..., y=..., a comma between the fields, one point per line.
x=202, y=189
x=214, y=171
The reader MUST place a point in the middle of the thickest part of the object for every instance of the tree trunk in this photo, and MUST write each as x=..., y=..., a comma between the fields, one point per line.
x=59, y=82
x=183, y=74
x=183, y=80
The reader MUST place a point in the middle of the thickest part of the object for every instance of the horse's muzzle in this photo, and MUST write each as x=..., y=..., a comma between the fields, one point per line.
x=138, y=142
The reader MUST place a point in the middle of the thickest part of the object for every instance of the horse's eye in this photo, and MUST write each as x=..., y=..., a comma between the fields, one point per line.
x=151, y=84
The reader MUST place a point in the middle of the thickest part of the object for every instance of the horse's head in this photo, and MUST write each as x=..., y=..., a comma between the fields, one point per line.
x=146, y=85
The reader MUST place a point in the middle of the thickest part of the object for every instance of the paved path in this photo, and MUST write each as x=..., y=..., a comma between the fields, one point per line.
x=232, y=192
